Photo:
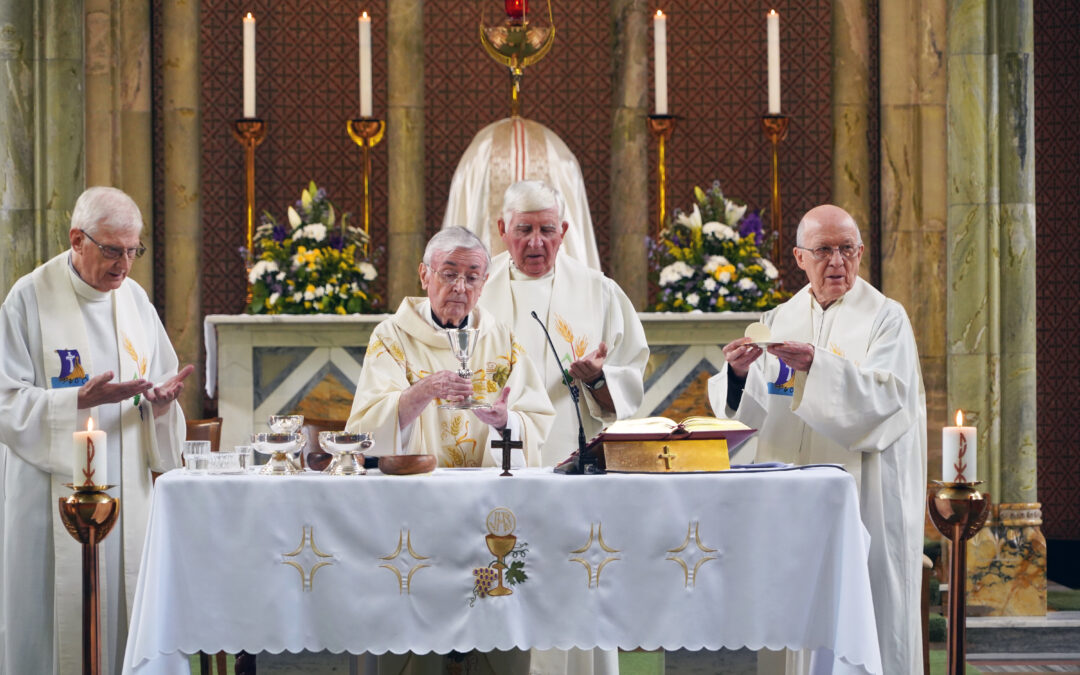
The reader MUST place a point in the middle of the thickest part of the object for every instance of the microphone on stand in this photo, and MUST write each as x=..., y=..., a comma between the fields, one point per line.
x=586, y=464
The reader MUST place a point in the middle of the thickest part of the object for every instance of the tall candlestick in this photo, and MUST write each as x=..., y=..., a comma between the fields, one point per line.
x=958, y=445
x=89, y=456
x=249, y=66
x=772, y=30
x=660, y=61
x=365, y=65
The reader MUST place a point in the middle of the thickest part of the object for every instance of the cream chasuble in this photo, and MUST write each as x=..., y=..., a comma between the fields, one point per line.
x=408, y=347
x=862, y=405
x=581, y=308
x=47, y=357
x=511, y=150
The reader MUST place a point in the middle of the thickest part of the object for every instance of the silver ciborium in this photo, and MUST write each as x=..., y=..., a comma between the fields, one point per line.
x=347, y=449
x=462, y=343
x=282, y=448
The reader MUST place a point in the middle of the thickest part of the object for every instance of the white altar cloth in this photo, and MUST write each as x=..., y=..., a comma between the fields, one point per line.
x=731, y=560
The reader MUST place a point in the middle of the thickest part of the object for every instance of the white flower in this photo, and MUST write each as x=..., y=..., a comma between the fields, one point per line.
x=274, y=297
x=693, y=299
x=674, y=272
x=715, y=261
x=746, y=284
x=719, y=231
x=723, y=291
x=733, y=212
x=297, y=296
x=724, y=277
x=294, y=218
x=367, y=270
x=770, y=269
x=693, y=221
x=330, y=215
x=709, y=285
x=309, y=295
x=319, y=291
x=314, y=231
x=305, y=199
x=280, y=276
x=260, y=268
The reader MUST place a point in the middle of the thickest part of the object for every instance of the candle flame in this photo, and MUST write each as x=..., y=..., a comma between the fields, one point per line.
x=772, y=12
x=364, y=16
x=659, y=14
x=959, y=417
x=90, y=424
x=249, y=17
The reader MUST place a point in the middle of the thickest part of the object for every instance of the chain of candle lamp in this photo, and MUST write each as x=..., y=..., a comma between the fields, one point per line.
x=661, y=127
x=249, y=132
x=365, y=132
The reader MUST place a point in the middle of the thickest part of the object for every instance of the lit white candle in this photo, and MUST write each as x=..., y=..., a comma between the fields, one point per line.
x=89, y=456
x=249, y=65
x=365, y=65
x=772, y=30
x=958, y=445
x=660, y=61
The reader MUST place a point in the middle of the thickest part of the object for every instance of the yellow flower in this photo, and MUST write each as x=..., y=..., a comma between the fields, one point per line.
x=339, y=309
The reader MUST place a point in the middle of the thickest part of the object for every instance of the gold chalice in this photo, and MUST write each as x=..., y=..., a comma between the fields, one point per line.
x=462, y=343
x=500, y=546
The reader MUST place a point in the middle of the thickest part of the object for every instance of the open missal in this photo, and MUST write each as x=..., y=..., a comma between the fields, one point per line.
x=662, y=445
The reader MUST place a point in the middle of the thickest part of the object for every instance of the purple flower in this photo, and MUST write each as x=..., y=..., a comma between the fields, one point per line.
x=334, y=240
x=751, y=224
x=279, y=233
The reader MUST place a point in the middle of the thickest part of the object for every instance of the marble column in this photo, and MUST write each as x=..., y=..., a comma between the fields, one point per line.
x=629, y=150
x=991, y=331
x=913, y=202
x=851, y=110
x=119, y=134
x=181, y=120
x=405, y=147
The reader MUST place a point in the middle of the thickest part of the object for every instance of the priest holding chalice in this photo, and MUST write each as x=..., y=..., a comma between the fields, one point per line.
x=417, y=397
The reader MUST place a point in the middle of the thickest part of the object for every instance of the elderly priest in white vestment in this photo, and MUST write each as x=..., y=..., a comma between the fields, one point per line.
x=594, y=327
x=841, y=383
x=409, y=369
x=80, y=340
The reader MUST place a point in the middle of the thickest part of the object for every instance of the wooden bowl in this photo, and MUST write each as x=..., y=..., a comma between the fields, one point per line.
x=404, y=465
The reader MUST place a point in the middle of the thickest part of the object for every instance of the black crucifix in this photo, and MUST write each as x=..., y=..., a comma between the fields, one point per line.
x=506, y=444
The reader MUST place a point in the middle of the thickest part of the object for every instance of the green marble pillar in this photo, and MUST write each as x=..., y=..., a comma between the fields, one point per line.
x=991, y=329
x=630, y=215
x=405, y=147
x=182, y=189
x=913, y=203
x=41, y=130
x=851, y=109
x=119, y=134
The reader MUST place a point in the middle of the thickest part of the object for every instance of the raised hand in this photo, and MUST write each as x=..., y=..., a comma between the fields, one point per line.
x=740, y=354
x=100, y=390
x=496, y=414
x=160, y=396
x=798, y=355
x=590, y=366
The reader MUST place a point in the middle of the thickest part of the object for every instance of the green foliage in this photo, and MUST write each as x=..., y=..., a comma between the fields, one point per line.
x=515, y=573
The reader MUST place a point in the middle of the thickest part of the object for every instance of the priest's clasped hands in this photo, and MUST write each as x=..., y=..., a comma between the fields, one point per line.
x=448, y=386
x=101, y=390
x=742, y=352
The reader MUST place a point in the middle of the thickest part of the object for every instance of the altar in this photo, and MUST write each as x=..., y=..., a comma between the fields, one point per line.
x=408, y=563
x=270, y=364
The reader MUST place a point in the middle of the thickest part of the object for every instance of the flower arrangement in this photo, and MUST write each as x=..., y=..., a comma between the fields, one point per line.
x=710, y=259
x=308, y=264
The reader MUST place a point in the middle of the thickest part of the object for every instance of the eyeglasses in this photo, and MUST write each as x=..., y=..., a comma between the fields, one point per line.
x=450, y=278
x=846, y=251
x=115, y=252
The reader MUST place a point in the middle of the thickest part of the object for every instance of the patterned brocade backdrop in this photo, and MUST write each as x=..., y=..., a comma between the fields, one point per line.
x=1057, y=193
x=717, y=84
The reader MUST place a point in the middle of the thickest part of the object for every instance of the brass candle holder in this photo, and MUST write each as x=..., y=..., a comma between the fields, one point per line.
x=365, y=132
x=958, y=511
x=89, y=515
x=776, y=128
x=250, y=133
x=661, y=127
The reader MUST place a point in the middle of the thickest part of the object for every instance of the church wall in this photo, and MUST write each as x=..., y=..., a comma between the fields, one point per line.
x=1057, y=165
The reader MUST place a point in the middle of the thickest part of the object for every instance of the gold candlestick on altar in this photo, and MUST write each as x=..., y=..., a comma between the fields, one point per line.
x=661, y=127
x=89, y=514
x=250, y=132
x=365, y=132
x=515, y=44
x=776, y=128
x=958, y=511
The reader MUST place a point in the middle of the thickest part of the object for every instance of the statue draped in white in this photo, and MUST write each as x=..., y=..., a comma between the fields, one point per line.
x=508, y=151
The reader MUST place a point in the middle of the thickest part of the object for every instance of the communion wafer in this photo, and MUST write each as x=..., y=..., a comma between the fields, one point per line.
x=758, y=332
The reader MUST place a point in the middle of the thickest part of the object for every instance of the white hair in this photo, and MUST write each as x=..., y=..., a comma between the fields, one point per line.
x=529, y=196
x=106, y=208
x=799, y=241
x=451, y=239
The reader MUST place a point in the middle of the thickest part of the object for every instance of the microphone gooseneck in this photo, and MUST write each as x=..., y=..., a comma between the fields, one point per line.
x=585, y=464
